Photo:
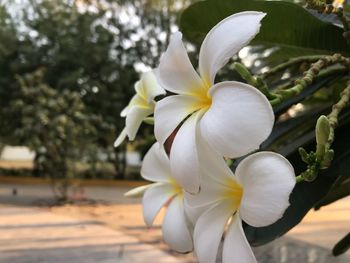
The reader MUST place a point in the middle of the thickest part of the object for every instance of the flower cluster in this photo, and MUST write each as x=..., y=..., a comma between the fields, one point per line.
x=209, y=122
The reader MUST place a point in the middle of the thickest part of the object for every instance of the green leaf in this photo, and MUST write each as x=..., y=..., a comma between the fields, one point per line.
x=342, y=246
x=286, y=24
x=340, y=189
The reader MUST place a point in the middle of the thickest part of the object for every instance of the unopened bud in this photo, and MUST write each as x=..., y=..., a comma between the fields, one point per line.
x=245, y=73
x=304, y=155
x=322, y=130
x=322, y=134
x=327, y=159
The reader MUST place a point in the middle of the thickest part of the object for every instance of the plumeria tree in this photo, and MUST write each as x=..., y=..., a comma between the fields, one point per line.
x=245, y=148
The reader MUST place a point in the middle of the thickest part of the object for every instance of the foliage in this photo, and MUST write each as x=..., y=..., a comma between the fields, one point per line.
x=54, y=124
x=90, y=48
x=282, y=16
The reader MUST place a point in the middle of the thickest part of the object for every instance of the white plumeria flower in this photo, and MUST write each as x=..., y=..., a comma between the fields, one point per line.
x=258, y=194
x=165, y=190
x=234, y=118
x=140, y=106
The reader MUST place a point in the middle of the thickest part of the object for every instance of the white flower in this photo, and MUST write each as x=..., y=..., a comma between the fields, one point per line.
x=234, y=118
x=258, y=194
x=140, y=106
x=156, y=168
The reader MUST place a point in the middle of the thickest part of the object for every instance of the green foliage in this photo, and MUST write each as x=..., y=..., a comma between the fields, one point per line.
x=54, y=124
x=340, y=189
x=86, y=48
x=342, y=246
x=286, y=24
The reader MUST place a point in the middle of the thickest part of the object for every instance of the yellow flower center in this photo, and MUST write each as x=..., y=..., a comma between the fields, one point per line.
x=234, y=193
x=205, y=101
x=204, y=98
x=176, y=188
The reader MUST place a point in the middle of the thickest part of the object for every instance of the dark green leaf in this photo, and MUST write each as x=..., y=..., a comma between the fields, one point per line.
x=286, y=24
x=338, y=191
x=331, y=18
x=342, y=246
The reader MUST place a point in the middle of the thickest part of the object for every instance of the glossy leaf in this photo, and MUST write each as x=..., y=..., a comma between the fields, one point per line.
x=286, y=24
x=337, y=192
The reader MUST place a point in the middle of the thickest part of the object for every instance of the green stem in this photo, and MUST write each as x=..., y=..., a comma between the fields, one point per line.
x=323, y=73
x=336, y=109
x=309, y=77
x=289, y=63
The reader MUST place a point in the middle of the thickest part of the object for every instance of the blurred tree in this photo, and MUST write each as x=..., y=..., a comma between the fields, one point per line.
x=92, y=48
x=54, y=124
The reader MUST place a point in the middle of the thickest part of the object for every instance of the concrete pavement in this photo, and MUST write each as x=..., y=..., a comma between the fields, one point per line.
x=29, y=235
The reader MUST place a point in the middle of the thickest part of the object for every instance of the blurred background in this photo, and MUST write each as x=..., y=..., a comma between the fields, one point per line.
x=67, y=69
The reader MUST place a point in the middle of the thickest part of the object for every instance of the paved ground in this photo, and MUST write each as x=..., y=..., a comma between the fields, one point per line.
x=32, y=194
x=326, y=226
x=30, y=235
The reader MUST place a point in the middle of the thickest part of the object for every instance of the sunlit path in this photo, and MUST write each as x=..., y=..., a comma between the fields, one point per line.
x=30, y=235
x=326, y=226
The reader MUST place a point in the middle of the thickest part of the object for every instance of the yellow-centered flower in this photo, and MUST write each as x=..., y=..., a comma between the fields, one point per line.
x=140, y=106
x=258, y=194
x=165, y=191
x=233, y=117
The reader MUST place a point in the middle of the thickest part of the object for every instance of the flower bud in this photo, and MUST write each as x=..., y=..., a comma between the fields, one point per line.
x=322, y=130
x=322, y=134
x=304, y=155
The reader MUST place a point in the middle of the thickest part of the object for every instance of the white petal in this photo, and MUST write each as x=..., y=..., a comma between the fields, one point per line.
x=120, y=138
x=150, y=86
x=239, y=119
x=226, y=39
x=154, y=199
x=137, y=191
x=183, y=155
x=134, y=119
x=214, y=174
x=175, y=230
x=194, y=212
x=209, y=230
x=169, y=112
x=125, y=111
x=210, y=192
x=236, y=246
x=136, y=100
x=213, y=165
x=156, y=165
x=176, y=72
x=217, y=182
x=268, y=179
